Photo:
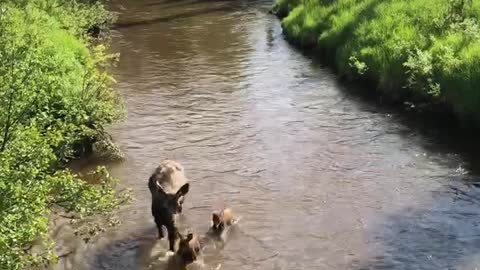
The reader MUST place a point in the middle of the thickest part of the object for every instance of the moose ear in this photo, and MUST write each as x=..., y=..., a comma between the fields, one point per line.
x=189, y=236
x=215, y=218
x=183, y=190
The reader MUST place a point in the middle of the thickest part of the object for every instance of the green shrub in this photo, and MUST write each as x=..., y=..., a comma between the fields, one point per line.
x=56, y=101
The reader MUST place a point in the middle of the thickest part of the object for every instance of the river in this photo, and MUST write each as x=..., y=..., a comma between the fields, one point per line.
x=321, y=178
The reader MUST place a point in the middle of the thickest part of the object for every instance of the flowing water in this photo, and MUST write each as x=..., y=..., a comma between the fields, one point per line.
x=322, y=179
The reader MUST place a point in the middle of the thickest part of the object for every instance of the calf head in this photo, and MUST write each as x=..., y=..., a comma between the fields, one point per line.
x=217, y=221
x=188, y=248
x=222, y=218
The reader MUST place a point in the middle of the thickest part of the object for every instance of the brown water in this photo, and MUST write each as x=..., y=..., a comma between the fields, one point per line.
x=321, y=179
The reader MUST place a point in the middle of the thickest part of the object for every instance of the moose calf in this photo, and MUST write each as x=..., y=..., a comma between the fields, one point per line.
x=221, y=221
x=188, y=250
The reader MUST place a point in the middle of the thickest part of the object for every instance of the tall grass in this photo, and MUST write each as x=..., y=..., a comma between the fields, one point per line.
x=424, y=49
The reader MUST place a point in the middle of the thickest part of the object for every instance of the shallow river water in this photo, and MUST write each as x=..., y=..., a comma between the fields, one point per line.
x=321, y=178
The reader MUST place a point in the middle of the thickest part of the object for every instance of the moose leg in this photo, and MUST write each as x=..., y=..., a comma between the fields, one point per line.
x=159, y=227
x=172, y=235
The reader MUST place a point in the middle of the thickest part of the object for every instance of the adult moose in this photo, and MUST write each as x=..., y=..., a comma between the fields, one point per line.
x=168, y=186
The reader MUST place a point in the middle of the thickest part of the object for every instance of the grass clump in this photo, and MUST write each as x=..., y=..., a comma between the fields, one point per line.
x=426, y=50
x=56, y=101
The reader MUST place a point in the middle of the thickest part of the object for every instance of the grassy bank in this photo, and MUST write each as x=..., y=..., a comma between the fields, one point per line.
x=55, y=101
x=420, y=50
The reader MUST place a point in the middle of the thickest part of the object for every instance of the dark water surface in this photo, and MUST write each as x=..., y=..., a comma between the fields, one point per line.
x=321, y=179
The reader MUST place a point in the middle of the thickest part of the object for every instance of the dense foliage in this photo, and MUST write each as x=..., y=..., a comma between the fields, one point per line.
x=55, y=101
x=427, y=49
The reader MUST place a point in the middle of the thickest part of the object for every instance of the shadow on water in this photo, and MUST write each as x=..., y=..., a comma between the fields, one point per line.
x=174, y=3
x=171, y=5
x=445, y=234
x=442, y=235
x=136, y=251
x=442, y=133
x=172, y=17
x=428, y=239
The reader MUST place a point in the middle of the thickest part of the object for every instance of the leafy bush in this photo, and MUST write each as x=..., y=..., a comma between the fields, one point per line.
x=56, y=101
x=410, y=49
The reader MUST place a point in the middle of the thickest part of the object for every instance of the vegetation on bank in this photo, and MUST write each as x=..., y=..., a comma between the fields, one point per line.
x=424, y=50
x=55, y=101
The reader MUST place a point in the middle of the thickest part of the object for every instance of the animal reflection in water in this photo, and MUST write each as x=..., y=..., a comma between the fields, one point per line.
x=168, y=187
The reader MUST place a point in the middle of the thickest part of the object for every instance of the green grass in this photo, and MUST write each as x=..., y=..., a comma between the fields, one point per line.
x=411, y=49
x=56, y=101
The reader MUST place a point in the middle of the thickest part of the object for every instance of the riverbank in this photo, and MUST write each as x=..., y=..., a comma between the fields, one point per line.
x=423, y=52
x=56, y=101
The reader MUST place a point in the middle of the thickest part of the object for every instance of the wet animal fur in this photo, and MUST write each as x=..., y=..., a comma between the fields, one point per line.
x=168, y=187
x=189, y=249
x=221, y=221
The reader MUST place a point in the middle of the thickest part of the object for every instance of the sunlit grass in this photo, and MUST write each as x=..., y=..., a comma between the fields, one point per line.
x=419, y=48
